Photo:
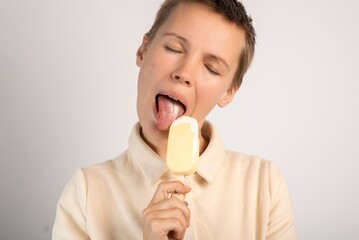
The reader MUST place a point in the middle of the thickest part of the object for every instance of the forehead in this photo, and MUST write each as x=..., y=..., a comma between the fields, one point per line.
x=205, y=29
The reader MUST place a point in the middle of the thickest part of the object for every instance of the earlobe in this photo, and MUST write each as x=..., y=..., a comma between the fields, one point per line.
x=141, y=51
x=227, y=97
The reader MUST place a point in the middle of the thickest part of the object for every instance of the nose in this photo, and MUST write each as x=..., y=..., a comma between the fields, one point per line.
x=184, y=73
x=180, y=77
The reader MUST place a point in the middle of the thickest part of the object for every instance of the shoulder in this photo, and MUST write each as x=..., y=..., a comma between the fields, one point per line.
x=105, y=169
x=255, y=168
x=251, y=162
x=118, y=163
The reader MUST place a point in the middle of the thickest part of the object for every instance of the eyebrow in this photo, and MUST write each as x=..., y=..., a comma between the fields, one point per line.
x=169, y=34
x=210, y=56
x=218, y=59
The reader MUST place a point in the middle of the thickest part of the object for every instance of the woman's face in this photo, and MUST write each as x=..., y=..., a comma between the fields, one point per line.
x=187, y=68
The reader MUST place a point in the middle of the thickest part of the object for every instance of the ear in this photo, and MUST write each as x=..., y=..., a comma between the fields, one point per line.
x=141, y=51
x=227, y=97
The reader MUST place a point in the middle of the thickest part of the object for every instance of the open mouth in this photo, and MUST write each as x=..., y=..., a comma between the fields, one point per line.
x=170, y=100
x=168, y=109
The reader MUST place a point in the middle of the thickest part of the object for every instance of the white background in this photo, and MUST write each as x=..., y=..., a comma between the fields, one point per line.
x=68, y=91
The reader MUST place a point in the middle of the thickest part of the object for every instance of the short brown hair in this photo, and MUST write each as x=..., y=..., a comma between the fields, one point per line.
x=232, y=10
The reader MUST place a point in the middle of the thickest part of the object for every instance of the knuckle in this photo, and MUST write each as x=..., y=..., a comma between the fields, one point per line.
x=146, y=214
x=180, y=224
x=162, y=185
x=153, y=225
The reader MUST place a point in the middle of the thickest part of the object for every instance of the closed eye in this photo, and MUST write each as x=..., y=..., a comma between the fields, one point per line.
x=212, y=70
x=171, y=49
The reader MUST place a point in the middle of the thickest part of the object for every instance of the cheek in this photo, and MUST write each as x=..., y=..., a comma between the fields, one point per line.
x=211, y=90
x=153, y=68
x=206, y=100
x=141, y=84
x=146, y=76
x=144, y=85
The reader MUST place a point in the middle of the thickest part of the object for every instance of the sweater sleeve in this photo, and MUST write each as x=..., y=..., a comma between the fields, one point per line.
x=70, y=220
x=281, y=218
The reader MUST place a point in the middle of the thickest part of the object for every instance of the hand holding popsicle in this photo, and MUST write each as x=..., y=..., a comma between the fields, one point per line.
x=166, y=218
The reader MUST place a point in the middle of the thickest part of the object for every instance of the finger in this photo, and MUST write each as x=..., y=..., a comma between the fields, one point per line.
x=171, y=214
x=165, y=228
x=180, y=196
x=164, y=189
x=178, y=208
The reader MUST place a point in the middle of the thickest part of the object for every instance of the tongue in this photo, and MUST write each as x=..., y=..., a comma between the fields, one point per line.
x=168, y=111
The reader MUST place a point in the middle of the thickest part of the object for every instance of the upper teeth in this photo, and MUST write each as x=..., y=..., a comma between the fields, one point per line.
x=174, y=98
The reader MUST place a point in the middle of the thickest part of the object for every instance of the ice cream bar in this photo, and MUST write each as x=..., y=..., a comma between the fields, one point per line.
x=183, y=146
